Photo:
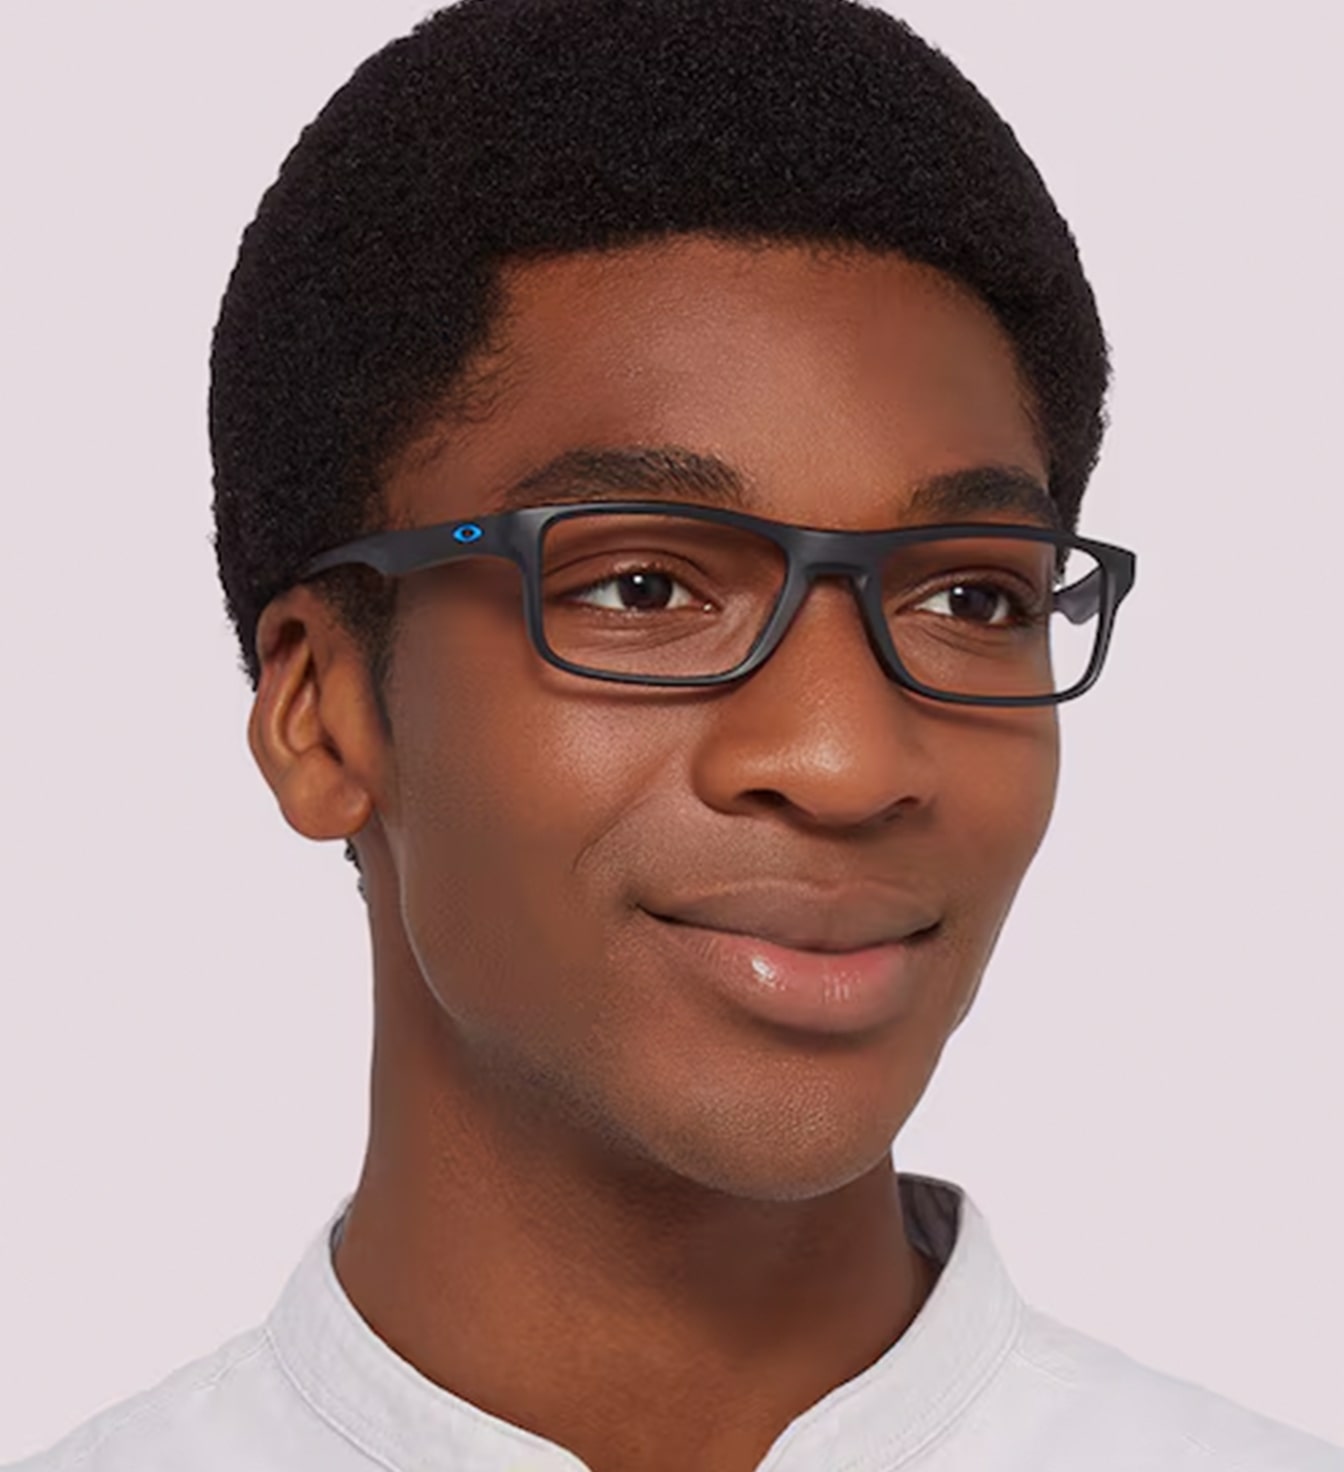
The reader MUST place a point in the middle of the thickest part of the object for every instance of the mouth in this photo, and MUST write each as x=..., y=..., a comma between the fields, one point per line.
x=806, y=990
x=928, y=931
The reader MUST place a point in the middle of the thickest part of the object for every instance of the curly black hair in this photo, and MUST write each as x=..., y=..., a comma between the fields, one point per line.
x=506, y=130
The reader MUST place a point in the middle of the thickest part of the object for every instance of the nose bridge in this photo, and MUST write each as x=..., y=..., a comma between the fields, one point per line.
x=822, y=559
x=844, y=576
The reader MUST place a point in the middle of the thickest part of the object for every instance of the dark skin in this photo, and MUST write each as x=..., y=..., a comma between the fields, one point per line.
x=667, y=1227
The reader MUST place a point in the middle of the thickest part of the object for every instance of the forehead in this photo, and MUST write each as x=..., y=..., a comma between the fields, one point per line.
x=833, y=382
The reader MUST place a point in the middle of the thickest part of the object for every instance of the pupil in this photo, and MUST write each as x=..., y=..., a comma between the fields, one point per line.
x=642, y=581
x=961, y=594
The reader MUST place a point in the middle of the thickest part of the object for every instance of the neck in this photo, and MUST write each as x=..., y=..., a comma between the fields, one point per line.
x=561, y=1282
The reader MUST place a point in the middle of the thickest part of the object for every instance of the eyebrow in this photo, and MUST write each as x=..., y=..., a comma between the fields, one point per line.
x=674, y=473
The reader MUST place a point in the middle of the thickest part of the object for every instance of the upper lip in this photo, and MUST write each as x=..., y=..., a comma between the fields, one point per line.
x=806, y=917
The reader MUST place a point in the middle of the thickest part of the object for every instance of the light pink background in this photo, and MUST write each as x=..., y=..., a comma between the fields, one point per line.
x=1147, y=1098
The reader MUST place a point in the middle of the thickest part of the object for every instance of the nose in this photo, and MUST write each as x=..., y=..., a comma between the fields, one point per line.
x=820, y=726
x=829, y=616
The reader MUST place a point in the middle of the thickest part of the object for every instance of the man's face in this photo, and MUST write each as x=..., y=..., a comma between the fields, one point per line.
x=533, y=817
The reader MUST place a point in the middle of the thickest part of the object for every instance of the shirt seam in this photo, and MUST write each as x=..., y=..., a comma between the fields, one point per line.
x=944, y=1415
x=1025, y=1359
x=323, y=1415
x=162, y=1400
x=1208, y=1452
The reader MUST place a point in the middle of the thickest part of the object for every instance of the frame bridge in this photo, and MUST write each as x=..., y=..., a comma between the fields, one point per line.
x=834, y=569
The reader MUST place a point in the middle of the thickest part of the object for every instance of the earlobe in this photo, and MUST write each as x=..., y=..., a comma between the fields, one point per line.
x=304, y=730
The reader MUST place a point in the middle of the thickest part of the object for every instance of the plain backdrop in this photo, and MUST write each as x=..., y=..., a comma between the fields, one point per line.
x=1145, y=1101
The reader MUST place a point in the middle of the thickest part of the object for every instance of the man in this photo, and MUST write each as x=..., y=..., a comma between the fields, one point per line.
x=650, y=437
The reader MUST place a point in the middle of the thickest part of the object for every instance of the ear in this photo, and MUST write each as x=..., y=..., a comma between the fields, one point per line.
x=314, y=729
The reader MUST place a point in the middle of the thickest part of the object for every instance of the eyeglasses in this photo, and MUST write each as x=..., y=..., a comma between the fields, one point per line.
x=640, y=593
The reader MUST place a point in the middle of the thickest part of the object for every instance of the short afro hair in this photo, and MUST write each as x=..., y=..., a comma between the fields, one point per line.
x=502, y=130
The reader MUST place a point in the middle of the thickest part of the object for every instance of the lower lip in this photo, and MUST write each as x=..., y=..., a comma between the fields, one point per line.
x=817, y=991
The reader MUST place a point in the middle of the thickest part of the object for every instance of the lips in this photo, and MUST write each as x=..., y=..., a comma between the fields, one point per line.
x=804, y=917
x=851, y=993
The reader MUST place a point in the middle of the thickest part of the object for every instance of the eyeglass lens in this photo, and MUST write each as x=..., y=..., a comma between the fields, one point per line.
x=657, y=595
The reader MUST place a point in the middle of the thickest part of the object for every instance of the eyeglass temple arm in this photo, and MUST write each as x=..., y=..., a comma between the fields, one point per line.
x=395, y=553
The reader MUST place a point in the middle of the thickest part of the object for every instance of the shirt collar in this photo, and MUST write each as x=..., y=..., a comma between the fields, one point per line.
x=885, y=1414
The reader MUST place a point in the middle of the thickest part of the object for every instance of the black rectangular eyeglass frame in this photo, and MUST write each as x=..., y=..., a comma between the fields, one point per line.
x=811, y=552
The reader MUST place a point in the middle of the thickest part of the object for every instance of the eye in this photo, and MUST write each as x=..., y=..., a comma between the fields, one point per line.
x=970, y=599
x=648, y=588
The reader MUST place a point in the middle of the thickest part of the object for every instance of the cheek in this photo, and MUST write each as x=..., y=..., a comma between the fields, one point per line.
x=504, y=784
x=1004, y=806
x=998, y=814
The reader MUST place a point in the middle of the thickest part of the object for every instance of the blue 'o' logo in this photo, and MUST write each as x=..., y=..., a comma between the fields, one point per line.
x=468, y=532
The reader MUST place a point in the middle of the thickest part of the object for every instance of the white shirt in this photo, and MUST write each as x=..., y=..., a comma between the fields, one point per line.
x=979, y=1382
